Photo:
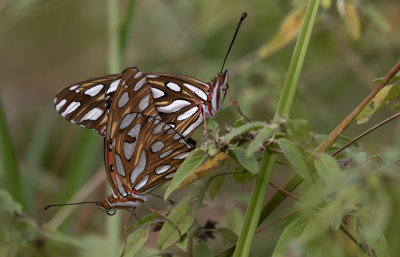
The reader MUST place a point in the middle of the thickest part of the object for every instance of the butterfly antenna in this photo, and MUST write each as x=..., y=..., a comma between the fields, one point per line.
x=234, y=37
x=65, y=204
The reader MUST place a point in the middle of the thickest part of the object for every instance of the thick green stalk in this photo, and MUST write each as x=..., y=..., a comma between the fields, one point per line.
x=254, y=209
x=114, y=66
x=285, y=103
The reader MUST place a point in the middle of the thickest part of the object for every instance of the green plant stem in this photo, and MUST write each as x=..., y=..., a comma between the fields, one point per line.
x=114, y=66
x=254, y=209
x=283, y=109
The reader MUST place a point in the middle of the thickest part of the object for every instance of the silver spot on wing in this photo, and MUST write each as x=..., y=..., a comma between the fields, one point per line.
x=139, y=168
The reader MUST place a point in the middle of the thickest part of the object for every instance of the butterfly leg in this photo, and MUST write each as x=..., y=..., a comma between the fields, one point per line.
x=154, y=211
x=235, y=105
x=125, y=231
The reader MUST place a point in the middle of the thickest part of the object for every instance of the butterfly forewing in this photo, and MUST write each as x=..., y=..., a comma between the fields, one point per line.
x=86, y=103
x=179, y=100
x=146, y=154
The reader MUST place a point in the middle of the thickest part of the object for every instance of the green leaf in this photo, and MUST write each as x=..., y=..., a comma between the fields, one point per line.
x=243, y=177
x=136, y=240
x=240, y=130
x=183, y=216
x=258, y=141
x=186, y=168
x=327, y=167
x=202, y=250
x=386, y=94
x=239, y=155
x=375, y=242
x=296, y=159
x=291, y=233
x=230, y=236
x=215, y=185
x=182, y=244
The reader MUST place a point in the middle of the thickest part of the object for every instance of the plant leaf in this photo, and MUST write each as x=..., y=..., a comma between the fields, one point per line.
x=288, y=31
x=375, y=242
x=183, y=216
x=191, y=162
x=240, y=130
x=258, y=141
x=291, y=232
x=296, y=159
x=327, y=167
x=207, y=168
x=215, y=185
x=136, y=240
x=202, y=250
x=386, y=94
x=239, y=155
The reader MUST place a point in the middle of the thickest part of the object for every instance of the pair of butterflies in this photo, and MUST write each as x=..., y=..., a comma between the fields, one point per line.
x=147, y=120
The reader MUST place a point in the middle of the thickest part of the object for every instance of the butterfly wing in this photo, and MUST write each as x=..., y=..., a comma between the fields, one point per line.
x=86, y=102
x=146, y=153
x=180, y=100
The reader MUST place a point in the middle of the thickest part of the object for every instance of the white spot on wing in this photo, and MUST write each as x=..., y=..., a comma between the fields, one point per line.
x=121, y=188
x=173, y=86
x=142, y=183
x=113, y=86
x=129, y=148
x=188, y=113
x=71, y=107
x=161, y=169
x=181, y=156
x=144, y=103
x=166, y=154
x=60, y=104
x=158, y=128
x=193, y=126
x=73, y=87
x=139, y=84
x=139, y=168
x=94, y=90
x=174, y=106
x=120, y=165
x=200, y=93
x=127, y=120
x=157, y=146
x=138, y=74
x=93, y=114
x=123, y=100
x=157, y=93
x=152, y=76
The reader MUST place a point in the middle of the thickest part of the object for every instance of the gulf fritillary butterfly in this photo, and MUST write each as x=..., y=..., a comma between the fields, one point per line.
x=147, y=120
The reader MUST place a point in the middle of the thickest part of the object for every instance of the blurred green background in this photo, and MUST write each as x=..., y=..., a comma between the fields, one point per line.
x=48, y=45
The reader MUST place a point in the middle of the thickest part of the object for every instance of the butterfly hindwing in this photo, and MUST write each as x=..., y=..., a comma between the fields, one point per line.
x=146, y=153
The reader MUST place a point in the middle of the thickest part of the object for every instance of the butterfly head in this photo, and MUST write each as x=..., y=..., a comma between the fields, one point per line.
x=217, y=92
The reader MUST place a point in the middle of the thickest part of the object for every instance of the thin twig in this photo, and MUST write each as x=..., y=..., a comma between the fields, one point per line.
x=285, y=191
x=367, y=132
